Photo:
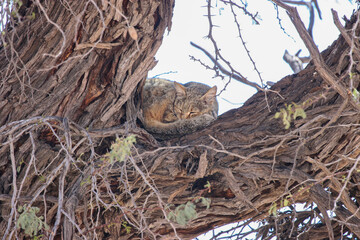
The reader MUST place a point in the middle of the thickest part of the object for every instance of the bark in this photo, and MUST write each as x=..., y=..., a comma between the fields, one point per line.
x=78, y=60
x=247, y=156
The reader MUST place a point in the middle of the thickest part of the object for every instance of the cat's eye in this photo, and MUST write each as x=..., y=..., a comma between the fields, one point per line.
x=192, y=114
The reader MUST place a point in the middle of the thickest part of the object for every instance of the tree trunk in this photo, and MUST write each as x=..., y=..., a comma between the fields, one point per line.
x=82, y=60
x=86, y=75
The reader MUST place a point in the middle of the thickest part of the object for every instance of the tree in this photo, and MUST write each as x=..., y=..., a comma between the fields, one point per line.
x=69, y=104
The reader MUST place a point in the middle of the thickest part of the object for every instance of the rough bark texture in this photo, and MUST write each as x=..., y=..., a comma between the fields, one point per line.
x=87, y=67
x=76, y=60
x=250, y=160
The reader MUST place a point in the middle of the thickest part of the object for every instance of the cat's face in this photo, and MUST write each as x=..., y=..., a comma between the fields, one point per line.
x=189, y=104
x=185, y=108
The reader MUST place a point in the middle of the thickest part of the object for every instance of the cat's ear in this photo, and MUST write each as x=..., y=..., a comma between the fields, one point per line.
x=180, y=89
x=210, y=95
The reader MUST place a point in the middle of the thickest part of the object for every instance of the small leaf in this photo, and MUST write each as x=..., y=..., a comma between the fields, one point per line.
x=286, y=120
x=172, y=216
x=180, y=219
x=126, y=226
x=29, y=222
x=289, y=108
x=286, y=202
x=355, y=94
x=351, y=75
x=299, y=112
x=183, y=213
x=20, y=208
x=189, y=211
x=343, y=178
x=284, y=112
x=277, y=115
x=206, y=202
x=42, y=178
x=208, y=186
x=273, y=209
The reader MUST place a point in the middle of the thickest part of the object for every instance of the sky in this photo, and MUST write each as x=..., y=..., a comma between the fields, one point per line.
x=266, y=42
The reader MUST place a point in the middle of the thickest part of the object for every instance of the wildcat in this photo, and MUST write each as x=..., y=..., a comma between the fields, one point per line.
x=170, y=108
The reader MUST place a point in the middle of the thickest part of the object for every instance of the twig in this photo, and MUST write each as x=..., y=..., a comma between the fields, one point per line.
x=226, y=72
x=14, y=187
x=321, y=67
x=345, y=35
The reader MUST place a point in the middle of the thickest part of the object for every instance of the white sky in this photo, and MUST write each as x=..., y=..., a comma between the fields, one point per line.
x=267, y=43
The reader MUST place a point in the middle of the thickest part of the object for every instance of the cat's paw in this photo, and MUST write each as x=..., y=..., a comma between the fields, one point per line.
x=205, y=119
